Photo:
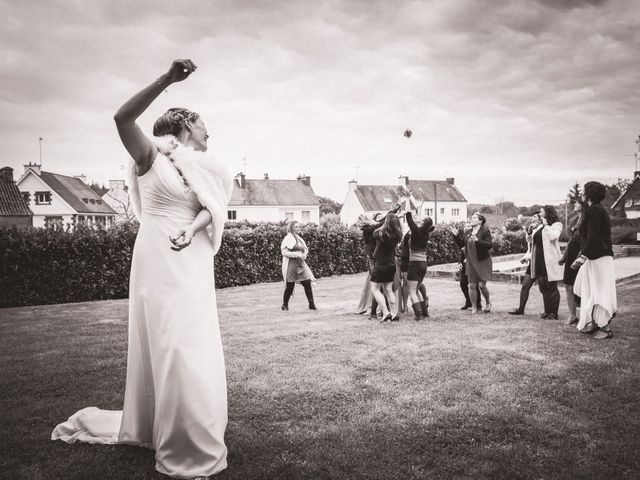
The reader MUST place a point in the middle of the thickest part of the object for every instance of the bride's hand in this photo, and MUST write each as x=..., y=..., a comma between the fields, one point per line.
x=182, y=239
x=180, y=69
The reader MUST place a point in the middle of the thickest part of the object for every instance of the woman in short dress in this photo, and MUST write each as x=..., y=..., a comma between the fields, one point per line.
x=478, y=242
x=596, y=280
x=571, y=252
x=294, y=267
x=384, y=269
x=418, y=264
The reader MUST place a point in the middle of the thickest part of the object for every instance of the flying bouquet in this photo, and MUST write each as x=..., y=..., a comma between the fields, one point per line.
x=408, y=133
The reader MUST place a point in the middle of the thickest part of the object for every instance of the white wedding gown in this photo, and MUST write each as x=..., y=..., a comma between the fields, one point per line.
x=176, y=397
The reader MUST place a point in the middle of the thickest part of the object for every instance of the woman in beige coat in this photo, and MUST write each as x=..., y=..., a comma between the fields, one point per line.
x=545, y=253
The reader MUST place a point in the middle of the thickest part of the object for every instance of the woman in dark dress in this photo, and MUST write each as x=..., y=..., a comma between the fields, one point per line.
x=478, y=245
x=571, y=252
x=418, y=264
x=384, y=268
x=596, y=280
x=458, y=237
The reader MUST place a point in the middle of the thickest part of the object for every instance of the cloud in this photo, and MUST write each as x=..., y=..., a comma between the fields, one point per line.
x=320, y=87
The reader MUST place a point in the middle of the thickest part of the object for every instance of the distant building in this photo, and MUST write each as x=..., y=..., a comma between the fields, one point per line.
x=117, y=197
x=13, y=209
x=628, y=203
x=58, y=199
x=270, y=200
x=438, y=199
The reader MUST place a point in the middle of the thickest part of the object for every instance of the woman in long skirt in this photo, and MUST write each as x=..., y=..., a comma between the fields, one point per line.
x=596, y=280
x=175, y=400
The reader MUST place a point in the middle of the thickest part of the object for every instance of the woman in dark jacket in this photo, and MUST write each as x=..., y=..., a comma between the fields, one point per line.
x=458, y=237
x=527, y=281
x=418, y=264
x=384, y=267
x=368, y=226
x=571, y=252
x=478, y=244
x=596, y=280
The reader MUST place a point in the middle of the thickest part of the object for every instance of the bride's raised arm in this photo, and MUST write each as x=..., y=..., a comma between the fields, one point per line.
x=141, y=149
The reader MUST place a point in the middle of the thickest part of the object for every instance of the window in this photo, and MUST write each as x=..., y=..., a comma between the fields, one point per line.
x=442, y=211
x=288, y=215
x=455, y=212
x=102, y=221
x=231, y=214
x=429, y=212
x=26, y=196
x=43, y=198
x=306, y=216
x=52, y=221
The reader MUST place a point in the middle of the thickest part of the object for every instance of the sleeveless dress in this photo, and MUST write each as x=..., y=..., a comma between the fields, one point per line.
x=176, y=397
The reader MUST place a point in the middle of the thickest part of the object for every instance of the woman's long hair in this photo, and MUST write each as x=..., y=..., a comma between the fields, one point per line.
x=390, y=231
x=550, y=214
x=427, y=227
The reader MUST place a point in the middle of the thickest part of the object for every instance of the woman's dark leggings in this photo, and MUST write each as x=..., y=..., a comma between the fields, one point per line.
x=527, y=283
x=550, y=295
x=288, y=291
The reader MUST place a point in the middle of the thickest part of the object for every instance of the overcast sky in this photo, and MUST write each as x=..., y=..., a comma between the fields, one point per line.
x=515, y=99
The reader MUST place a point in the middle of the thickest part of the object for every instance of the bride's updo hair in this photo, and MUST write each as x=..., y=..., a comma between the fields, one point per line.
x=172, y=121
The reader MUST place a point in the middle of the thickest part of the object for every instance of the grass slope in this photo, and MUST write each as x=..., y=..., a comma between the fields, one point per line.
x=331, y=395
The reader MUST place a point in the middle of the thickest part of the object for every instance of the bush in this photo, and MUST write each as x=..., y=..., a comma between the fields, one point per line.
x=624, y=235
x=512, y=225
x=41, y=266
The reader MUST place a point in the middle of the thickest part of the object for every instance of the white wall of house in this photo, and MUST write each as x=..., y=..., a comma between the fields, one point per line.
x=56, y=208
x=447, y=211
x=275, y=213
x=351, y=207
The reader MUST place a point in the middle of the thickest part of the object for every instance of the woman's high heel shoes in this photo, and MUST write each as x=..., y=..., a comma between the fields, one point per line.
x=386, y=318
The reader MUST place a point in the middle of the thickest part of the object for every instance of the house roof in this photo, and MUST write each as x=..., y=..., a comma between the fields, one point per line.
x=11, y=202
x=81, y=197
x=272, y=192
x=623, y=194
x=383, y=197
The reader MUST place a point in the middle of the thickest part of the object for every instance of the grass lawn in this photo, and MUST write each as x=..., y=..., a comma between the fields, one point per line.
x=332, y=395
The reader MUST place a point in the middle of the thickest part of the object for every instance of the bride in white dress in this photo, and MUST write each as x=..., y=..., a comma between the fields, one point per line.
x=176, y=396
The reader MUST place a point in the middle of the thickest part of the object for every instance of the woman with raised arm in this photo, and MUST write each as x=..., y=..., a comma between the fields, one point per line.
x=175, y=400
x=418, y=264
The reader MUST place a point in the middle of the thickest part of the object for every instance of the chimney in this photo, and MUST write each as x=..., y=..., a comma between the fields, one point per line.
x=81, y=177
x=240, y=178
x=33, y=166
x=266, y=176
x=403, y=181
x=353, y=184
x=113, y=184
x=305, y=180
x=451, y=180
x=6, y=174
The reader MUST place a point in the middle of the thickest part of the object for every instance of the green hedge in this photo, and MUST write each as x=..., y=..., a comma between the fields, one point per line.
x=41, y=266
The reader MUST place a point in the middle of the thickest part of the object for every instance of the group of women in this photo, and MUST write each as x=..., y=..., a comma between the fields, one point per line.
x=175, y=398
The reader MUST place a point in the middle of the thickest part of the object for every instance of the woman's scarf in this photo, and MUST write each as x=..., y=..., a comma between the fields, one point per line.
x=207, y=178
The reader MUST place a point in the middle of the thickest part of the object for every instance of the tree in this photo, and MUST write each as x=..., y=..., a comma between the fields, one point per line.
x=328, y=206
x=575, y=194
x=506, y=208
x=486, y=209
x=99, y=189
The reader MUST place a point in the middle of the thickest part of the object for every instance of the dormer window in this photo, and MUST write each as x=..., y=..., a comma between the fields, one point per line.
x=85, y=200
x=43, y=198
x=92, y=200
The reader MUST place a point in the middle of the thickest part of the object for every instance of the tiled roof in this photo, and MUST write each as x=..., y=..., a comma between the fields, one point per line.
x=11, y=202
x=383, y=197
x=425, y=190
x=378, y=197
x=76, y=193
x=272, y=192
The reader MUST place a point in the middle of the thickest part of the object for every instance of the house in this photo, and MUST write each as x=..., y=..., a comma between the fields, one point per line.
x=438, y=199
x=628, y=203
x=270, y=200
x=13, y=210
x=117, y=197
x=58, y=199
